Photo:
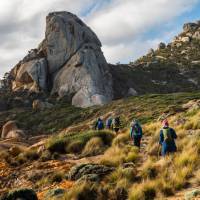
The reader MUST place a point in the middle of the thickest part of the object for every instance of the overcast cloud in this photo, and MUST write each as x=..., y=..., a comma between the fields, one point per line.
x=123, y=26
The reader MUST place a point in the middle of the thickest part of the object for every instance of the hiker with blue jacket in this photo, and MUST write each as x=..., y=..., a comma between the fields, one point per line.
x=136, y=133
x=99, y=125
x=167, y=139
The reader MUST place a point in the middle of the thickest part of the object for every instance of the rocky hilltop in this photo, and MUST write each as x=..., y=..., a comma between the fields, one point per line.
x=68, y=62
x=173, y=67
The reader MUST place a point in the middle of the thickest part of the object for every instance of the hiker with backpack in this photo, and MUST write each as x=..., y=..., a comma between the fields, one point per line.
x=99, y=125
x=109, y=123
x=136, y=133
x=167, y=139
x=116, y=124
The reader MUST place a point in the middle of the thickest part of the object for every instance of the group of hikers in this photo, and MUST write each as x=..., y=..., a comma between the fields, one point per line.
x=111, y=124
x=167, y=134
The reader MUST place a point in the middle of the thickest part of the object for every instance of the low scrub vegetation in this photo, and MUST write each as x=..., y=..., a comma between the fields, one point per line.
x=75, y=142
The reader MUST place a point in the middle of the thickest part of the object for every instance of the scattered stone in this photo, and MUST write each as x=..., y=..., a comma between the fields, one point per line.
x=196, y=35
x=128, y=165
x=40, y=105
x=185, y=39
x=15, y=134
x=161, y=57
x=10, y=130
x=95, y=171
x=41, y=149
x=195, y=62
x=132, y=92
x=192, y=194
x=151, y=52
x=178, y=44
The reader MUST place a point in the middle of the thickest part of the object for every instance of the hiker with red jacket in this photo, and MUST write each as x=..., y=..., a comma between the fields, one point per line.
x=167, y=138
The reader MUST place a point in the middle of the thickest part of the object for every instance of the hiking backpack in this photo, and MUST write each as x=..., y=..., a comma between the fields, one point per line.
x=167, y=134
x=116, y=122
x=109, y=122
x=135, y=130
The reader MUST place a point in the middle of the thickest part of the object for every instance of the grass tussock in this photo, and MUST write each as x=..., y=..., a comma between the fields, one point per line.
x=85, y=190
x=143, y=191
x=149, y=170
x=119, y=155
x=75, y=142
x=93, y=147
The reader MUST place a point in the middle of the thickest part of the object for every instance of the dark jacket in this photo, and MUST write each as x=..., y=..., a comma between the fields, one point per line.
x=168, y=146
x=133, y=134
x=99, y=125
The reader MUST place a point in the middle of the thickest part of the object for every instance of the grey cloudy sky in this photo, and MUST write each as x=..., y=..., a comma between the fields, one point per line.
x=127, y=28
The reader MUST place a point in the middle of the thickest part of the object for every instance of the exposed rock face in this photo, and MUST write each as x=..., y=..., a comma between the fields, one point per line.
x=190, y=27
x=70, y=59
x=30, y=74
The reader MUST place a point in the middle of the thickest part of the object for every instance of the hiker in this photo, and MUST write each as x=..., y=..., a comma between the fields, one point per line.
x=109, y=123
x=167, y=139
x=136, y=133
x=116, y=124
x=99, y=125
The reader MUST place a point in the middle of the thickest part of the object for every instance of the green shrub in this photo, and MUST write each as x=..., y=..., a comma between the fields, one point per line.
x=23, y=193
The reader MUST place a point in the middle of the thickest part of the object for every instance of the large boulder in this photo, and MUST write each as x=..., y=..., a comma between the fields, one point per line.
x=10, y=130
x=68, y=63
x=31, y=75
x=83, y=75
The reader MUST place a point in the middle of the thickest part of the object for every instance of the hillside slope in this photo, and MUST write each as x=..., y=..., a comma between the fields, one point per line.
x=45, y=164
